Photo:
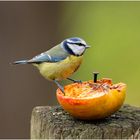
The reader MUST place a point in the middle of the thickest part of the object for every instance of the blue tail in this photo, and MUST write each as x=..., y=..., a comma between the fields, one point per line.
x=21, y=62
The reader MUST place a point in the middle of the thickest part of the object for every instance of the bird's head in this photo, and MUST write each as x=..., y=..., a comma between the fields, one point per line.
x=75, y=46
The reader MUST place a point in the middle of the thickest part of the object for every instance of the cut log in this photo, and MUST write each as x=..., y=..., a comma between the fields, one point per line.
x=54, y=123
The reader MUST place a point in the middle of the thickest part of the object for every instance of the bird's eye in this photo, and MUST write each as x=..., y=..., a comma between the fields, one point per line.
x=79, y=44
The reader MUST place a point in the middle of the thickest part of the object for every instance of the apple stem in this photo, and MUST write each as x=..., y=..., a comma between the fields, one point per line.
x=95, y=74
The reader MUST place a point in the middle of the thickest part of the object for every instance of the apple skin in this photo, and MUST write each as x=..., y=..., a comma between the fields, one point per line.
x=101, y=105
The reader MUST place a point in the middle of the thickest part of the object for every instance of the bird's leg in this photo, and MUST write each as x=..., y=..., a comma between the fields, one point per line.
x=60, y=87
x=75, y=81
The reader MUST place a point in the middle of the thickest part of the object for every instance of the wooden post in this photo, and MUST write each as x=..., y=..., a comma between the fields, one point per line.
x=54, y=123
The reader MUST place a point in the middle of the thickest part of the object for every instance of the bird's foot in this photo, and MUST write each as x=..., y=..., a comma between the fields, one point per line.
x=75, y=81
x=59, y=86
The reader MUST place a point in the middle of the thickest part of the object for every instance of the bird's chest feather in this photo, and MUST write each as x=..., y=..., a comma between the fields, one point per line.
x=60, y=70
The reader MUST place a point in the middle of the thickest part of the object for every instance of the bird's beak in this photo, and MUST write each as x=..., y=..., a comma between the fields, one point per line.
x=87, y=46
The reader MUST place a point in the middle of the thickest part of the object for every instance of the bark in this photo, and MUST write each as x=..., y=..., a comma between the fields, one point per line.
x=54, y=123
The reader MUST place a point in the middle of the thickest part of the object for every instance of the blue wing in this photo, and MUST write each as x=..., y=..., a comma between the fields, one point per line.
x=46, y=58
x=55, y=54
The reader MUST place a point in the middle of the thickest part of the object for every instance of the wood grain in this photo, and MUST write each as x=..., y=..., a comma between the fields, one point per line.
x=54, y=123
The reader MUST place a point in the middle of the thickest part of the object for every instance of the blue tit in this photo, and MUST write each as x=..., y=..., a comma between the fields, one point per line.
x=61, y=61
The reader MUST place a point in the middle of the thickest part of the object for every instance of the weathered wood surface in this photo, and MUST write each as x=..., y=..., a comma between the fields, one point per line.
x=54, y=123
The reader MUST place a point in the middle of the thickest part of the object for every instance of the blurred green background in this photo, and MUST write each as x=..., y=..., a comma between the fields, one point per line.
x=29, y=28
x=113, y=31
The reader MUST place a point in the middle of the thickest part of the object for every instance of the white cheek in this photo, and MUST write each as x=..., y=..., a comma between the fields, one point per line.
x=78, y=50
x=81, y=49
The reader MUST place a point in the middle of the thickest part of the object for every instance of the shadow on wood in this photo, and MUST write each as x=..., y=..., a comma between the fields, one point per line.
x=54, y=123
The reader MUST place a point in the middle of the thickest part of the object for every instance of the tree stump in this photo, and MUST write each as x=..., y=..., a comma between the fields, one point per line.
x=54, y=123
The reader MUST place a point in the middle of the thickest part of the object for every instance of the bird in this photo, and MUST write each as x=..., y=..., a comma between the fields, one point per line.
x=59, y=62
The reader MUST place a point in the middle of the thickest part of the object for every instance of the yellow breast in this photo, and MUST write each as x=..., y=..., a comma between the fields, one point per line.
x=60, y=70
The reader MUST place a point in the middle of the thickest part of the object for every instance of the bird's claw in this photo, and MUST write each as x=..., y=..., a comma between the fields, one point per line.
x=78, y=81
x=62, y=89
x=75, y=81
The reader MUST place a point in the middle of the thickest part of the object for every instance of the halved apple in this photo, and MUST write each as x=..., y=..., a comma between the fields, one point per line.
x=89, y=100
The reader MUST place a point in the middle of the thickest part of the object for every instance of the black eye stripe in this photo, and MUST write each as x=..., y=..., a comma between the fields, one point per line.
x=80, y=44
